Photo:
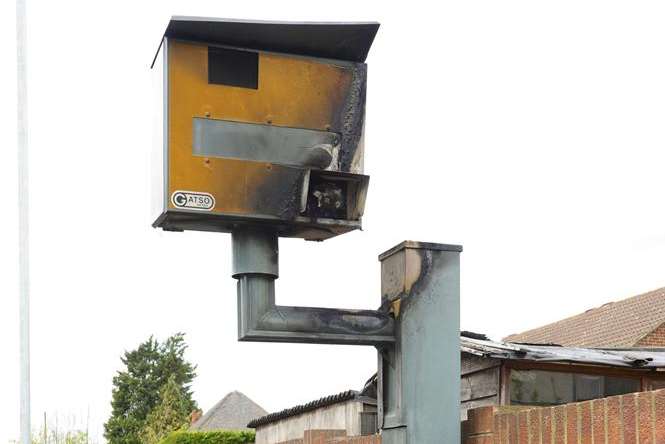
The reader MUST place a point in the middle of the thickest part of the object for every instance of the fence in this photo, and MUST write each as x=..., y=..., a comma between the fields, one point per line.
x=636, y=418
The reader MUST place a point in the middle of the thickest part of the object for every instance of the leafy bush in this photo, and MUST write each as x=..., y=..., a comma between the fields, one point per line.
x=215, y=437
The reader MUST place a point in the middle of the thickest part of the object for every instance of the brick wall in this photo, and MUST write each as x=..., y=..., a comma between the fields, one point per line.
x=637, y=418
x=654, y=339
x=333, y=437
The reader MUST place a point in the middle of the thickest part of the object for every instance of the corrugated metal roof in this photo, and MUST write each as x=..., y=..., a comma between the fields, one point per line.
x=300, y=409
x=331, y=40
x=613, y=325
x=635, y=358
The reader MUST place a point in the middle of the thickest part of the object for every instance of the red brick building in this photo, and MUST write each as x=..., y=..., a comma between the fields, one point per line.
x=635, y=322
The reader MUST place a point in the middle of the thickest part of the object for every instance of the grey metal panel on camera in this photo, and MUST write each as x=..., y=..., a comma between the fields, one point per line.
x=266, y=143
x=303, y=227
x=349, y=41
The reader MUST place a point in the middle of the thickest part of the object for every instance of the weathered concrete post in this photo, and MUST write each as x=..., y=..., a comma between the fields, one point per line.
x=419, y=376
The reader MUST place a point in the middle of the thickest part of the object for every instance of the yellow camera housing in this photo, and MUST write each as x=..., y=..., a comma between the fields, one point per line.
x=263, y=125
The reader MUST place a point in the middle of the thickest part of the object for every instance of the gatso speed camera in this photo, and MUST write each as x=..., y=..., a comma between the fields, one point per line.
x=263, y=125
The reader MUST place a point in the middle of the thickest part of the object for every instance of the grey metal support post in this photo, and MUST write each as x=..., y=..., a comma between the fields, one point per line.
x=419, y=376
x=416, y=330
x=255, y=266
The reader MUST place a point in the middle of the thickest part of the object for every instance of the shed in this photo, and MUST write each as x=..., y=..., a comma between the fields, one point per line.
x=351, y=411
x=504, y=373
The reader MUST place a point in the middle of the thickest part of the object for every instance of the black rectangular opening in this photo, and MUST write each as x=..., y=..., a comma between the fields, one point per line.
x=233, y=67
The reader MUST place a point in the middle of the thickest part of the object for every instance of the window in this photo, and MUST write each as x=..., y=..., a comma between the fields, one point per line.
x=539, y=387
x=589, y=387
x=368, y=423
x=656, y=384
x=535, y=387
x=619, y=386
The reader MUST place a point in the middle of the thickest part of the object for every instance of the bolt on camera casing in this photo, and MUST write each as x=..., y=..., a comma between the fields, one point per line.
x=263, y=126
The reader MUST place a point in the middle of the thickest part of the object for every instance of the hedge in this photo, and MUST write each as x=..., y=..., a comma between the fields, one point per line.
x=213, y=437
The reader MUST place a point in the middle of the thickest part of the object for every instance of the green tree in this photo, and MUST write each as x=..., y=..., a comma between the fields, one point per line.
x=171, y=414
x=136, y=389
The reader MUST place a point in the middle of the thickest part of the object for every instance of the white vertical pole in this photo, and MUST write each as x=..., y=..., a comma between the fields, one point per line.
x=23, y=213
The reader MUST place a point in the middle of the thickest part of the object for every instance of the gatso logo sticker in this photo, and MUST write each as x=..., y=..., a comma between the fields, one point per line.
x=193, y=200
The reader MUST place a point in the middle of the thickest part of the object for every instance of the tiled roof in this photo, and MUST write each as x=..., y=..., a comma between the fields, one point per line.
x=612, y=325
x=231, y=413
x=300, y=409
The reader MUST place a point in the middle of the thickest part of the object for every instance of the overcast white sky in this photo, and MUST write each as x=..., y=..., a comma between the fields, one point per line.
x=530, y=132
